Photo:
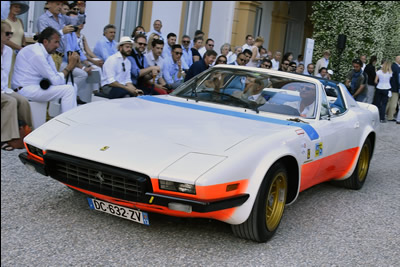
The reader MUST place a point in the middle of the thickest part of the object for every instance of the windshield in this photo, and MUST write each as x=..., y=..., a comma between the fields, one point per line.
x=248, y=89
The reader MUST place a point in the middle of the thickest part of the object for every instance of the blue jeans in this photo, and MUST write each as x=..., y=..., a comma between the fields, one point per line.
x=117, y=92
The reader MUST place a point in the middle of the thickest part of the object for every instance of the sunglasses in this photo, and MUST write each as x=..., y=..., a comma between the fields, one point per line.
x=211, y=45
x=222, y=61
x=9, y=33
x=75, y=9
x=185, y=42
x=123, y=66
x=178, y=53
x=242, y=59
x=141, y=43
x=267, y=66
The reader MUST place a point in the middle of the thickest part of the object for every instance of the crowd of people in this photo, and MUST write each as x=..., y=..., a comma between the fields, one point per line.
x=59, y=64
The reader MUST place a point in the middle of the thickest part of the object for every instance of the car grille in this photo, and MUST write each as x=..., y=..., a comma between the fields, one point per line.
x=97, y=177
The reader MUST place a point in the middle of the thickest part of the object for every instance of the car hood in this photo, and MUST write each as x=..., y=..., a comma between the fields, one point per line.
x=139, y=134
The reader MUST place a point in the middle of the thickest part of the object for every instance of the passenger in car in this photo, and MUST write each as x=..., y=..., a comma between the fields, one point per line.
x=307, y=101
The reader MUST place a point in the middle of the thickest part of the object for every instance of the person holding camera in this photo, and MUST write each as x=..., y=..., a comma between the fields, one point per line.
x=35, y=74
x=64, y=24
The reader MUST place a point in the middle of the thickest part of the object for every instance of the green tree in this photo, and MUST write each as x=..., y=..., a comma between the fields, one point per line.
x=371, y=27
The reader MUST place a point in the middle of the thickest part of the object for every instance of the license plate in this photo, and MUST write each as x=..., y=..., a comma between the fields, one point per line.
x=119, y=211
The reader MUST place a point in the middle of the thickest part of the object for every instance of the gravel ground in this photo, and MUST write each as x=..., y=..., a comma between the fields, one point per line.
x=43, y=223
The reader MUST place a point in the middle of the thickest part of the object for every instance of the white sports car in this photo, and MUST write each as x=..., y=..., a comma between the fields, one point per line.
x=235, y=144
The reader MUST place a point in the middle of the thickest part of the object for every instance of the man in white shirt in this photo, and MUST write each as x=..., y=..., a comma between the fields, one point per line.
x=306, y=105
x=209, y=46
x=249, y=43
x=116, y=81
x=157, y=25
x=154, y=59
x=276, y=60
x=35, y=74
x=322, y=62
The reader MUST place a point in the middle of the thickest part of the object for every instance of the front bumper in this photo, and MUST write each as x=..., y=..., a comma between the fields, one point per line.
x=149, y=198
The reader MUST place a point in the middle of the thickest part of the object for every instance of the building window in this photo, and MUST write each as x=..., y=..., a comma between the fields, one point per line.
x=257, y=22
x=128, y=16
x=30, y=18
x=193, y=17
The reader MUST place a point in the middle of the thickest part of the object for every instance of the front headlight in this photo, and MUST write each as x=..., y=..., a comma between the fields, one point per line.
x=35, y=151
x=177, y=187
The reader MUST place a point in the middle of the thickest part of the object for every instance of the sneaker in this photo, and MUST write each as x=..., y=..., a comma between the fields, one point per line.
x=383, y=121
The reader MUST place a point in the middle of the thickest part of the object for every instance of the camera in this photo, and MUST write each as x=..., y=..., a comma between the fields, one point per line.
x=45, y=83
x=76, y=28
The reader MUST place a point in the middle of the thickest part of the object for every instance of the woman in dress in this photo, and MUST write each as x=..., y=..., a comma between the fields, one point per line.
x=256, y=57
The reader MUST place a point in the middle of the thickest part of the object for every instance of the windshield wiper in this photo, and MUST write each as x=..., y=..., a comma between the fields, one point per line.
x=297, y=120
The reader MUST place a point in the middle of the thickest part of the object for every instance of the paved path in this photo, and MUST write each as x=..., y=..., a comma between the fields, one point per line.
x=45, y=224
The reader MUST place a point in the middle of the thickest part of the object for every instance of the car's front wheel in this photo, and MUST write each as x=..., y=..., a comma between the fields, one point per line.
x=268, y=207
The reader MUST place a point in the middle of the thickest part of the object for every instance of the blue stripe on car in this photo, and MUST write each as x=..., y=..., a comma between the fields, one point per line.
x=306, y=127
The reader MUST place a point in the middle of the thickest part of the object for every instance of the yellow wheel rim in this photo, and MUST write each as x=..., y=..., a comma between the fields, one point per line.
x=276, y=200
x=363, y=163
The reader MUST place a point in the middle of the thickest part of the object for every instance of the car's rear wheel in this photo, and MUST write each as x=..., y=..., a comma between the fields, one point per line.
x=268, y=207
x=357, y=178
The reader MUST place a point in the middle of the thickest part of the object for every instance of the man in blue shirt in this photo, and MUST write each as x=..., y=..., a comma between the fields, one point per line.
x=201, y=65
x=171, y=41
x=63, y=24
x=141, y=72
x=106, y=46
x=187, y=52
x=173, y=68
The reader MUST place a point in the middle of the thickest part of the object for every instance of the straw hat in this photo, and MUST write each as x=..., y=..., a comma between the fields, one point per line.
x=124, y=40
x=23, y=4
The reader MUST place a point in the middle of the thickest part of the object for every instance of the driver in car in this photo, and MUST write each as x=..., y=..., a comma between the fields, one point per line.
x=307, y=101
x=252, y=92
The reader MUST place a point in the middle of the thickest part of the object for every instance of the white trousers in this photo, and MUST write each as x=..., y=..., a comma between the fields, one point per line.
x=66, y=92
x=80, y=77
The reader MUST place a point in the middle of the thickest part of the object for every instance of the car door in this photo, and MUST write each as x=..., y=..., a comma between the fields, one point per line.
x=337, y=148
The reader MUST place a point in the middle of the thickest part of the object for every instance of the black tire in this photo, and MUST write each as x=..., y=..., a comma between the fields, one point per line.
x=358, y=177
x=262, y=222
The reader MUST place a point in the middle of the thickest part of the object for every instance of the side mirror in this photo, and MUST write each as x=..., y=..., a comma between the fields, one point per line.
x=335, y=111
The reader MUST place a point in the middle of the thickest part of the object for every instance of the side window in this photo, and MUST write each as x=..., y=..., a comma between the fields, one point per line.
x=324, y=105
x=30, y=18
x=335, y=98
x=193, y=16
x=127, y=17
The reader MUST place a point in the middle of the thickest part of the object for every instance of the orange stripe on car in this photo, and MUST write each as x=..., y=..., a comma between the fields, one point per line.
x=331, y=167
x=33, y=156
x=209, y=192
x=218, y=215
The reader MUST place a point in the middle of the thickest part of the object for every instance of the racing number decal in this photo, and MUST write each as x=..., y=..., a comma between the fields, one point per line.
x=318, y=149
